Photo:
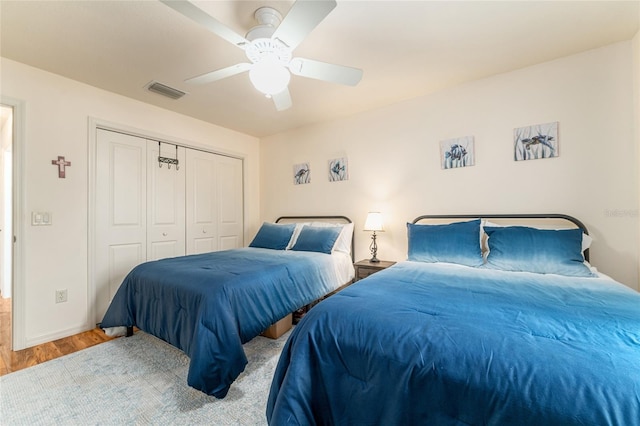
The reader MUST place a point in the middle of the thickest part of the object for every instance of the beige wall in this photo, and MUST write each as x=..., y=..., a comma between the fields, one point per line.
x=57, y=115
x=394, y=164
x=636, y=116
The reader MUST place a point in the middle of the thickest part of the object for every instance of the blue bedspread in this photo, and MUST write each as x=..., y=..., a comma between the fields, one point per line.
x=445, y=345
x=208, y=305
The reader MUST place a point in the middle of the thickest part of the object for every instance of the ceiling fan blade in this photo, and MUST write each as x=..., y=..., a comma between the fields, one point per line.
x=326, y=72
x=282, y=100
x=203, y=18
x=219, y=74
x=303, y=17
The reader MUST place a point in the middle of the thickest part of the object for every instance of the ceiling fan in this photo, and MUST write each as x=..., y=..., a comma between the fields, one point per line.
x=269, y=47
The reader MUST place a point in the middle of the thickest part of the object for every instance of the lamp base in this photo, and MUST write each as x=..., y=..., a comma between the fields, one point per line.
x=374, y=249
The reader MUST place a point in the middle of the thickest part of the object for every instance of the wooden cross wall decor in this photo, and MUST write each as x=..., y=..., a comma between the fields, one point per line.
x=61, y=163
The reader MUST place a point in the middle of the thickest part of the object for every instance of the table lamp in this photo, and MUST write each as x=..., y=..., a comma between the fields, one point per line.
x=374, y=223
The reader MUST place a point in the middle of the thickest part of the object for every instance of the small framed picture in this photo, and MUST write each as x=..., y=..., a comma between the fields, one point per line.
x=535, y=142
x=457, y=152
x=301, y=174
x=338, y=169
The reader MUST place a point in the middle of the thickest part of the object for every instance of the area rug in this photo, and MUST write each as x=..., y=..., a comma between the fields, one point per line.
x=137, y=380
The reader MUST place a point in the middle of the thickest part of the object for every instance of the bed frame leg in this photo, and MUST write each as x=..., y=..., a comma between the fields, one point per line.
x=129, y=331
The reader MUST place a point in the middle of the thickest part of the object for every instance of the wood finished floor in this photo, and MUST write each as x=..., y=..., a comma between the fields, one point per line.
x=11, y=361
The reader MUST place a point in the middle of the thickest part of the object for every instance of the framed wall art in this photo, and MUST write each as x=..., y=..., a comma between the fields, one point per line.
x=301, y=174
x=338, y=169
x=457, y=152
x=535, y=142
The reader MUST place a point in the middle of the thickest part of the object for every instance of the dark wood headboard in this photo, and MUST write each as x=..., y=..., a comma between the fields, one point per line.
x=551, y=220
x=329, y=219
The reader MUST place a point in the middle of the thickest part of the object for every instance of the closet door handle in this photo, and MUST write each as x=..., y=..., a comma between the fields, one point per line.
x=164, y=234
x=204, y=231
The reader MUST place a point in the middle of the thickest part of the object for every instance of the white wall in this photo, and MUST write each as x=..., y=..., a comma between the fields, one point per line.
x=57, y=113
x=394, y=164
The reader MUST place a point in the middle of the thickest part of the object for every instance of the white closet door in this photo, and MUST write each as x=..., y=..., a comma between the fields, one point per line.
x=165, y=203
x=121, y=216
x=230, y=203
x=201, y=208
x=146, y=212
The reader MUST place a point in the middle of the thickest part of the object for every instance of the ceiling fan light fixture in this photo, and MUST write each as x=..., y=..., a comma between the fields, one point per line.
x=269, y=77
x=269, y=47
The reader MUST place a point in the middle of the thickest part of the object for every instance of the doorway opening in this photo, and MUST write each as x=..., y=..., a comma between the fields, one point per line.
x=6, y=225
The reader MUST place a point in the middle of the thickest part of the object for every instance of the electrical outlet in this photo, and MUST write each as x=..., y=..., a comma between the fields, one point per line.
x=61, y=296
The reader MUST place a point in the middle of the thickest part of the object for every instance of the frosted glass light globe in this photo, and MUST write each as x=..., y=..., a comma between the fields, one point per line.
x=269, y=77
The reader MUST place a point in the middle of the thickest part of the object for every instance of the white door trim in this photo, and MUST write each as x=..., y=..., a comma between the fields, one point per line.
x=19, y=176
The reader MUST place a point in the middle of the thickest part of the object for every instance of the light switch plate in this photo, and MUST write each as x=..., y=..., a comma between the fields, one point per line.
x=40, y=218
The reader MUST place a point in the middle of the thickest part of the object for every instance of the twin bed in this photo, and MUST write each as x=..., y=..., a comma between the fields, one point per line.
x=209, y=305
x=515, y=328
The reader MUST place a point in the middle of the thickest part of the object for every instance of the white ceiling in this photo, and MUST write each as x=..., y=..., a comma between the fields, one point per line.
x=406, y=49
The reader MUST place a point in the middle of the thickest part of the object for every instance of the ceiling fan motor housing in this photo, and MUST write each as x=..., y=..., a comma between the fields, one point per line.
x=262, y=46
x=266, y=48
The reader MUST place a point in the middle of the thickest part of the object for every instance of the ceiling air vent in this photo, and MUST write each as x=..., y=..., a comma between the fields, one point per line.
x=165, y=90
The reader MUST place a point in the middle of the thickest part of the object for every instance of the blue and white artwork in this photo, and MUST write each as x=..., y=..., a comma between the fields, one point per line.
x=457, y=152
x=535, y=142
x=301, y=174
x=338, y=169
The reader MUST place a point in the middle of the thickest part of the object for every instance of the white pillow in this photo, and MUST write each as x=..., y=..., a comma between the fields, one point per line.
x=343, y=243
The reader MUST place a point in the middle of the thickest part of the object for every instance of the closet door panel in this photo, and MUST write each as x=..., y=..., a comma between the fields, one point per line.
x=165, y=203
x=122, y=259
x=121, y=214
x=230, y=202
x=201, y=208
x=145, y=212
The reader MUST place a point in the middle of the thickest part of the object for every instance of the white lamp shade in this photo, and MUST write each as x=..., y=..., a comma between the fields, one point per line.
x=269, y=77
x=374, y=222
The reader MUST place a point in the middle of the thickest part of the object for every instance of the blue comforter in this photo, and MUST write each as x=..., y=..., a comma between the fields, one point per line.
x=445, y=345
x=208, y=305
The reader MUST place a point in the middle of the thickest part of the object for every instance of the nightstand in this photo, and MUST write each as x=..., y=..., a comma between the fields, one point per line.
x=364, y=268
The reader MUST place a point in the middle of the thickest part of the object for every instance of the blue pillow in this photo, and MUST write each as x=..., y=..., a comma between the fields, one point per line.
x=272, y=236
x=543, y=251
x=453, y=243
x=317, y=238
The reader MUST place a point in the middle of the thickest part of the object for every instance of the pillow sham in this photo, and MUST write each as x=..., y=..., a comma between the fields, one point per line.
x=273, y=236
x=343, y=243
x=294, y=237
x=316, y=238
x=542, y=251
x=586, y=238
x=453, y=243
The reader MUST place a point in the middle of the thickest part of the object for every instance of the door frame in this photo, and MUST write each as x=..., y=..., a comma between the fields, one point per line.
x=19, y=174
